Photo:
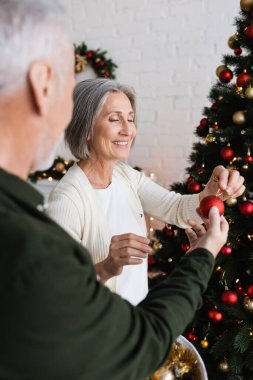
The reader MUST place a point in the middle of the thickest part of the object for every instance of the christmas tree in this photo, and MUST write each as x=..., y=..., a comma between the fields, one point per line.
x=222, y=330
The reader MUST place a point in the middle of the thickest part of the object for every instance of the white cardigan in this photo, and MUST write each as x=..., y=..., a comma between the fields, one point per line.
x=74, y=205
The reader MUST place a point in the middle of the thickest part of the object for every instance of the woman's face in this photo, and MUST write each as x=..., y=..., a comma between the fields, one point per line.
x=114, y=129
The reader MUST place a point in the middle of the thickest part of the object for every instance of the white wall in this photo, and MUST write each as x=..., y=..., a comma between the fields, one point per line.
x=168, y=50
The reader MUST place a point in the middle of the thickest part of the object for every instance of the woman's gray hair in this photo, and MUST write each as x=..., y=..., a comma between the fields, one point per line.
x=30, y=30
x=89, y=97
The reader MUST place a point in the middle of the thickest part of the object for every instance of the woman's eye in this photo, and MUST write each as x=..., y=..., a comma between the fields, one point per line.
x=114, y=119
x=131, y=121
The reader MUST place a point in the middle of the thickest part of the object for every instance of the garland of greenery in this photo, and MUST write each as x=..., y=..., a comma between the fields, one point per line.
x=103, y=67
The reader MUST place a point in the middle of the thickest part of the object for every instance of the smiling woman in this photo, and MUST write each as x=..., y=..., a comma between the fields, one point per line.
x=101, y=200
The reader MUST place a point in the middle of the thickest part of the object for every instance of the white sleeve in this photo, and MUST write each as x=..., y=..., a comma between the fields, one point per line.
x=64, y=211
x=165, y=205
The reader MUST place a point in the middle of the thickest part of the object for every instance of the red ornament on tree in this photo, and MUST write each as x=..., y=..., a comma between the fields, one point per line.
x=210, y=201
x=246, y=208
x=216, y=126
x=193, y=186
x=204, y=122
x=214, y=106
x=249, y=32
x=229, y=297
x=192, y=336
x=185, y=247
x=169, y=232
x=238, y=51
x=227, y=153
x=242, y=80
x=250, y=291
x=226, y=76
x=248, y=159
x=226, y=250
x=151, y=260
x=215, y=316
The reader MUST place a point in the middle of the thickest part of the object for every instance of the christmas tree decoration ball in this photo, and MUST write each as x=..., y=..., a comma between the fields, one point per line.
x=168, y=231
x=248, y=304
x=243, y=79
x=210, y=138
x=250, y=291
x=204, y=122
x=215, y=316
x=246, y=208
x=227, y=153
x=220, y=69
x=237, y=51
x=151, y=260
x=239, y=118
x=194, y=187
x=248, y=159
x=157, y=245
x=226, y=250
x=210, y=201
x=249, y=32
x=185, y=247
x=249, y=92
x=230, y=202
x=232, y=42
x=192, y=336
x=226, y=76
x=204, y=343
x=246, y=5
x=223, y=367
x=216, y=125
x=229, y=297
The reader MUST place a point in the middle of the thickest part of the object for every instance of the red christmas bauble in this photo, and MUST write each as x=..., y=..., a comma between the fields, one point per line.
x=227, y=153
x=216, y=126
x=215, y=316
x=191, y=336
x=242, y=79
x=169, y=232
x=151, y=260
x=210, y=201
x=185, y=247
x=226, y=250
x=248, y=159
x=229, y=297
x=246, y=208
x=226, y=76
x=250, y=291
x=214, y=106
x=249, y=32
x=193, y=186
x=204, y=122
x=238, y=51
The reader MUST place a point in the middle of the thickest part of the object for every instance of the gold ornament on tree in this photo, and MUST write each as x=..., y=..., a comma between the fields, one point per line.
x=230, y=202
x=157, y=245
x=246, y=5
x=239, y=90
x=223, y=366
x=249, y=92
x=204, y=343
x=210, y=138
x=220, y=69
x=239, y=118
x=248, y=304
x=232, y=41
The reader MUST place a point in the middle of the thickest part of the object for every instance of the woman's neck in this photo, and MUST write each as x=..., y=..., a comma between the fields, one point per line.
x=98, y=173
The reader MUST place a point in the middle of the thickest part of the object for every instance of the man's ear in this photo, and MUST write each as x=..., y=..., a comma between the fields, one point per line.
x=42, y=85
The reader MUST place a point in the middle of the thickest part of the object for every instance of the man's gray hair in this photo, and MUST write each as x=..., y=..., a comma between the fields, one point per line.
x=89, y=97
x=29, y=30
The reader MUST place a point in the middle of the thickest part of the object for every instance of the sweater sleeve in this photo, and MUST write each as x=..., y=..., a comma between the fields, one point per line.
x=58, y=322
x=165, y=205
x=64, y=211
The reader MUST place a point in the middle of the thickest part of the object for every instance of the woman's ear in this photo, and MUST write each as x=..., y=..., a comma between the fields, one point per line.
x=42, y=83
